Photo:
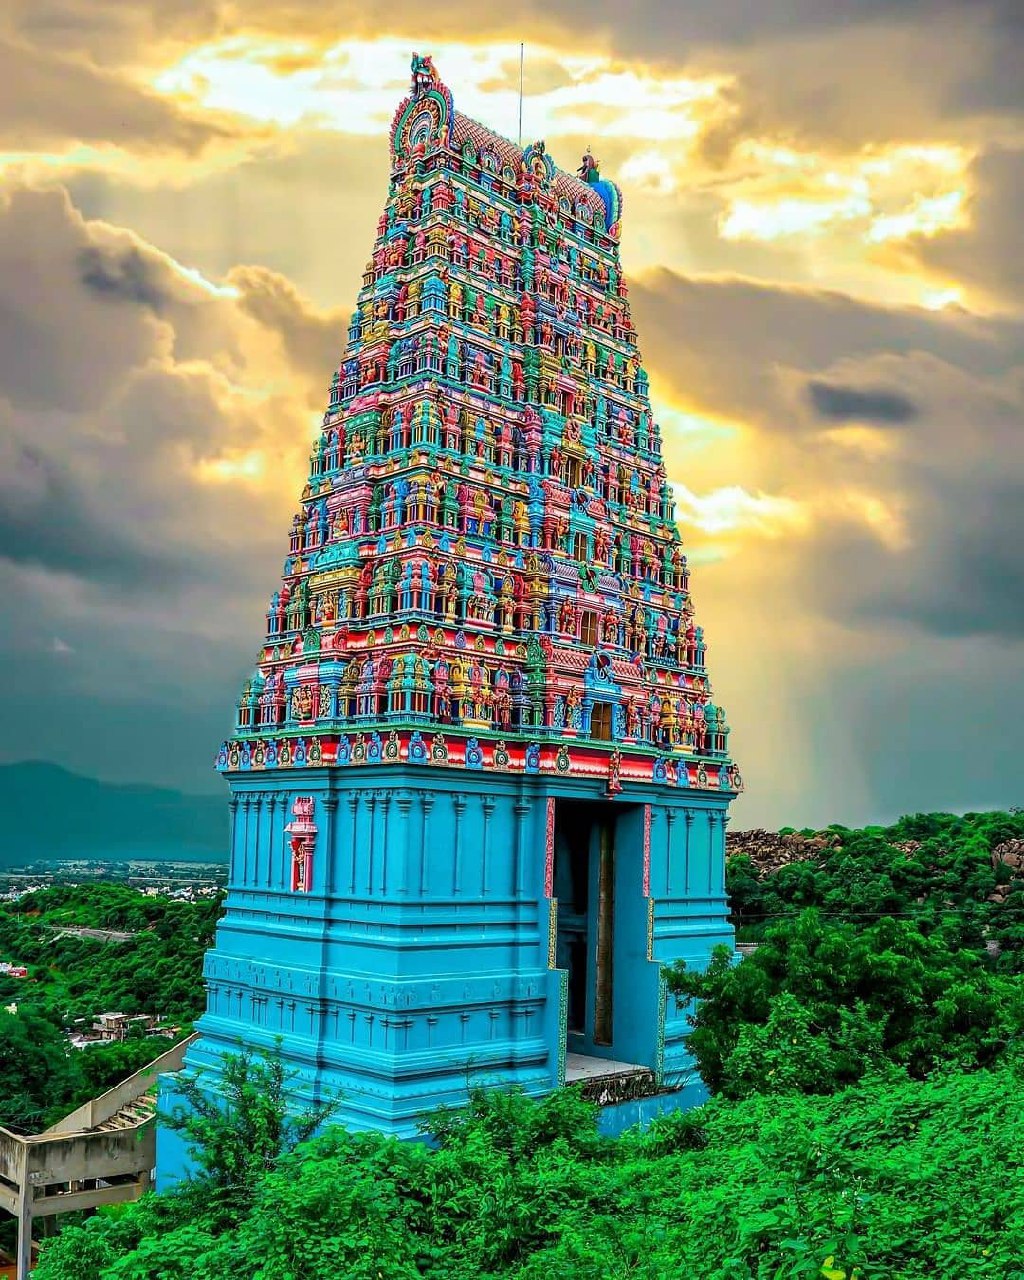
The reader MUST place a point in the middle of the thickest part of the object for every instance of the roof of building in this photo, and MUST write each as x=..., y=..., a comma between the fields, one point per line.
x=466, y=129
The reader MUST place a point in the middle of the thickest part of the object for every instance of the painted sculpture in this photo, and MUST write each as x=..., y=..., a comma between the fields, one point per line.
x=483, y=646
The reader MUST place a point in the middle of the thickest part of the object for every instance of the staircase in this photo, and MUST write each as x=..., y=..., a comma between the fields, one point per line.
x=133, y=1113
x=127, y=1105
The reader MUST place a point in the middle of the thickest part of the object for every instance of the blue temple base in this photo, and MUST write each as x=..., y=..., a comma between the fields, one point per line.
x=453, y=936
x=173, y=1162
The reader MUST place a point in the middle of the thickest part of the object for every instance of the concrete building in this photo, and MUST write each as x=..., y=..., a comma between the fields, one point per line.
x=102, y=1153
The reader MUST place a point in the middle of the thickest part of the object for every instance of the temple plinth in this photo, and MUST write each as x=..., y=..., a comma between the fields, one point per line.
x=478, y=784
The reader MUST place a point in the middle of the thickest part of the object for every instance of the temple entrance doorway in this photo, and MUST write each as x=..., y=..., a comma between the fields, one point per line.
x=584, y=885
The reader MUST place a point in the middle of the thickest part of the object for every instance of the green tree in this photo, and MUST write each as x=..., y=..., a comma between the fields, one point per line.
x=239, y=1132
x=892, y=1177
x=38, y=1072
x=855, y=997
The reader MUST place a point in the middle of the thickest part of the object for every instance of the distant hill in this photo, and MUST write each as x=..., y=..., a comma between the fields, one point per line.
x=47, y=812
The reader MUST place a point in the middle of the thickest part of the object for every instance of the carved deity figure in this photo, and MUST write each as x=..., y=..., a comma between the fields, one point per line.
x=302, y=702
x=303, y=832
x=573, y=701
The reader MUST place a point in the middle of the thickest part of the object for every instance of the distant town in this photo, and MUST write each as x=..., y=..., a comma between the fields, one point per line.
x=185, y=881
x=59, y=943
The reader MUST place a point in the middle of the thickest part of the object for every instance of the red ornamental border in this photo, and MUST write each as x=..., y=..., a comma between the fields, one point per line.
x=549, y=849
x=647, y=850
x=565, y=758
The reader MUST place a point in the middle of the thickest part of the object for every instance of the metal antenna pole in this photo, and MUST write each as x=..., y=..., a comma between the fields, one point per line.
x=521, y=55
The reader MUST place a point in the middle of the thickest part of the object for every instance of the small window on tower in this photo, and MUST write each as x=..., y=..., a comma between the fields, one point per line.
x=588, y=626
x=601, y=721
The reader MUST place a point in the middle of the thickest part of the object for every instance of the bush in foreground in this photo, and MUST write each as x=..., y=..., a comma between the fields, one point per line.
x=892, y=1177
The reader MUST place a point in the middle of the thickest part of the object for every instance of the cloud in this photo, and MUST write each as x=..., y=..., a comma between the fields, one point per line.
x=993, y=86
x=546, y=75
x=125, y=275
x=49, y=519
x=51, y=101
x=326, y=189
x=910, y=530
x=859, y=404
x=650, y=24
x=60, y=348
x=989, y=252
x=110, y=33
x=129, y=387
x=784, y=55
x=312, y=341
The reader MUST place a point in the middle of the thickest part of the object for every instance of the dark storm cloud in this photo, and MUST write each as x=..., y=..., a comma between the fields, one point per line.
x=730, y=338
x=989, y=252
x=920, y=534
x=963, y=577
x=986, y=564
x=994, y=86
x=61, y=348
x=859, y=404
x=109, y=414
x=47, y=521
x=125, y=275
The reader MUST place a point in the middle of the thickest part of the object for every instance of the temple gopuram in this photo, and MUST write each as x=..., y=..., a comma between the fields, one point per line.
x=478, y=782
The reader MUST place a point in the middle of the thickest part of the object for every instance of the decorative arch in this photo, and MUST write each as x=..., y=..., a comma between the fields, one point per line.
x=422, y=120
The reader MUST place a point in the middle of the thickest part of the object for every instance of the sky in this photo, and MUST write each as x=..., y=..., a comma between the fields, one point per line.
x=824, y=248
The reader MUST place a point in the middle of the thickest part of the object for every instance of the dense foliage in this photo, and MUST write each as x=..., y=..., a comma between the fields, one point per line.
x=821, y=1003
x=864, y=1061
x=936, y=869
x=902, y=1178
x=240, y=1134
x=888, y=947
x=158, y=971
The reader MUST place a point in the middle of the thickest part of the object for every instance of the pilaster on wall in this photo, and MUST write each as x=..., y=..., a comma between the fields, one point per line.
x=689, y=910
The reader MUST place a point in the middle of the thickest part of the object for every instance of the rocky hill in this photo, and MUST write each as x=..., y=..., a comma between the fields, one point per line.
x=770, y=850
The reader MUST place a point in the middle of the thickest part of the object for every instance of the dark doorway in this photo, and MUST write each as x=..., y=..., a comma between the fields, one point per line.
x=584, y=882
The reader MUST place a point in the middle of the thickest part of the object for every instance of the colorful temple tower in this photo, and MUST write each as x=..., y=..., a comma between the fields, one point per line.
x=478, y=784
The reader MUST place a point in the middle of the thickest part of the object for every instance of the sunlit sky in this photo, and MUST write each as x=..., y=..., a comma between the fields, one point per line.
x=822, y=238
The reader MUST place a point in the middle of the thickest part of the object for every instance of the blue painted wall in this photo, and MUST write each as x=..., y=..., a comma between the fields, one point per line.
x=417, y=964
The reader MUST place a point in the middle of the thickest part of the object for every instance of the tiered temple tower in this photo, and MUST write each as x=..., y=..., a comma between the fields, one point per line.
x=478, y=784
